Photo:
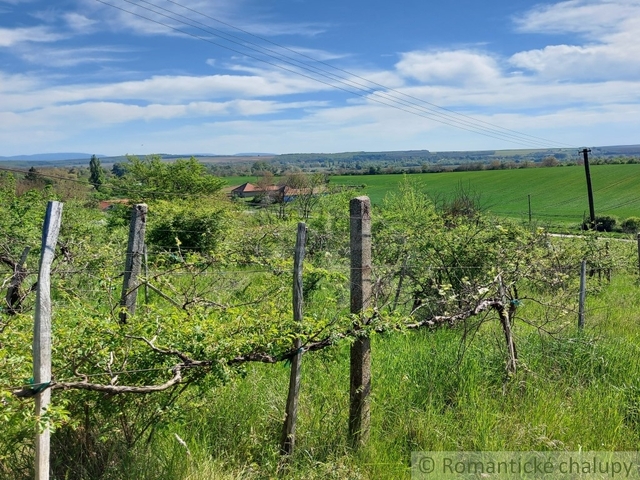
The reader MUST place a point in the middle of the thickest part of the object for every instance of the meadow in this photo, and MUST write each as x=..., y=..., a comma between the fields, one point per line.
x=576, y=390
x=220, y=289
x=558, y=195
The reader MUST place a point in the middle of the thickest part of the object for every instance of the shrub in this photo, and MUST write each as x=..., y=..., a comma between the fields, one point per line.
x=631, y=225
x=605, y=223
x=184, y=225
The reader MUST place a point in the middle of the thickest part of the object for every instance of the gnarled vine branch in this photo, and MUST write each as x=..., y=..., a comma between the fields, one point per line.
x=256, y=356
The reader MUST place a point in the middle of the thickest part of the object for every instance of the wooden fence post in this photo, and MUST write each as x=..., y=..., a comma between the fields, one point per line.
x=133, y=262
x=42, y=335
x=289, y=429
x=583, y=293
x=360, y=373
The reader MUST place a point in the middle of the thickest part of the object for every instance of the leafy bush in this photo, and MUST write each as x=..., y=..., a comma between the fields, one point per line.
x=152, y=179
x=604, y=223
x=186, y=226
x=631, y=225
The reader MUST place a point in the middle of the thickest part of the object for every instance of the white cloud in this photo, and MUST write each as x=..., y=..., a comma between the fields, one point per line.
x=612, y=50
x=592, y=18
x=79, y=23
x=268, y=28
x=71, y=57
x=96, y=115
x=11, y=37
x=167, y=16
x=589, y=62
x=17, y=84
x=160, y=89
x=449, y=67
x=136, y=19
x=524, y=94
x=312, y=53
x=17, y=2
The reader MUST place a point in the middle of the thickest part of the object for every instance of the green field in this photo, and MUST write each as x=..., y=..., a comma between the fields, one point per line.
x=558, y=195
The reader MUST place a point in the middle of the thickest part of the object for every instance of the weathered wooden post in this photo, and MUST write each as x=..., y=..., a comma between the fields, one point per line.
x=42, y=335
x=360, y=374
x=583, y=293
x=133, y=262
x=288, y=439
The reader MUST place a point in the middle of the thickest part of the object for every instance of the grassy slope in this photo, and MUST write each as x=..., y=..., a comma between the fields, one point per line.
x=557, y=194
x=575, y=391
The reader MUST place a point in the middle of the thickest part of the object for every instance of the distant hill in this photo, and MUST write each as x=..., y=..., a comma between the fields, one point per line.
x=254, y=154
x=618, y=150
x=362, y=160
x=50, y=157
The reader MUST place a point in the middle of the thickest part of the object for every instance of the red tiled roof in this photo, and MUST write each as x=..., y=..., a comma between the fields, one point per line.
x=249, y=187
x=105, y=204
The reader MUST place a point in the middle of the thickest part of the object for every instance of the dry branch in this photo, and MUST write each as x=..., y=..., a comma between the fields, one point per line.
x=112, y=389
x=255, y=356
x=13, y=298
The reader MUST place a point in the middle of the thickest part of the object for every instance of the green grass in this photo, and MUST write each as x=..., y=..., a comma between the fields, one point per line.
x=558, y=195
x=576, y=390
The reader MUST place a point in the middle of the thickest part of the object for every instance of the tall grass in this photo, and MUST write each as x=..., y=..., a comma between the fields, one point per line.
x=574, y=390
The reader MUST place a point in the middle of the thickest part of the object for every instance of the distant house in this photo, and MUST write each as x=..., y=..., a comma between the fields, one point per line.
x=106, y=205
x=279, y=193
x=245, y=190
x=250, y=190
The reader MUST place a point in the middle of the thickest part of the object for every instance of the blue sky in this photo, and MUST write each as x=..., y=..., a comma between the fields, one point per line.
x=133, y=76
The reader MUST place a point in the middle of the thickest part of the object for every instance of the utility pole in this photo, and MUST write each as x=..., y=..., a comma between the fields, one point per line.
x=592, y=212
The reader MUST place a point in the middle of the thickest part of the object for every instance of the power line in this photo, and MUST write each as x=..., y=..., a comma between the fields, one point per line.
x=358, y=76
x=470, y=125
x=57, y=177
x=473, y=123
x=147, y=192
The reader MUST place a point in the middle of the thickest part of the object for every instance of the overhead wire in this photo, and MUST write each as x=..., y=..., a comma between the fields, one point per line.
x=360, y=77
x=360, y=89
x=465, y=118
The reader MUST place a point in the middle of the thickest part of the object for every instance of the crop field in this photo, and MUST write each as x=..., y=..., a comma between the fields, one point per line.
x=558, y=195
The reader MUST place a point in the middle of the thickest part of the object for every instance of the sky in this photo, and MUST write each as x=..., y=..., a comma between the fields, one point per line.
x=116, y=77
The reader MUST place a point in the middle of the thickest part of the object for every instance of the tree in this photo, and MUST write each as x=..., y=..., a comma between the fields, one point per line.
x=265, y=181
x=305, y=188
x=260, y=166
x=152, y=179
x=118, y=170
x=33, y=175
x=96, y=176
